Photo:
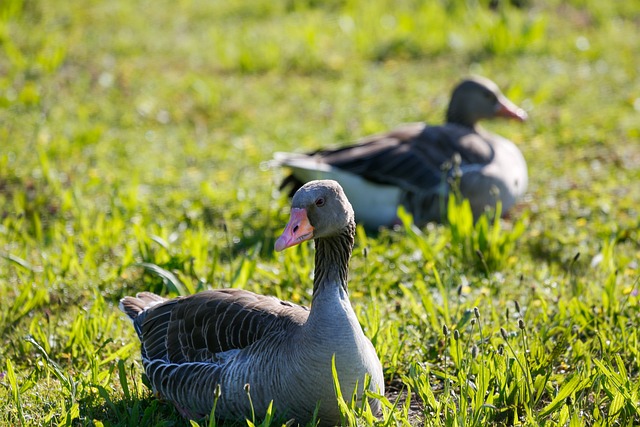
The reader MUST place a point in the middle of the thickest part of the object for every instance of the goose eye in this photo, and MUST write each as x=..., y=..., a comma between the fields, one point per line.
x=320, y=202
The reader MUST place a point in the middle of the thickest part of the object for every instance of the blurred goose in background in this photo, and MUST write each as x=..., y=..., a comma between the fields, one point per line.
x=414, y=165
x=233, y=337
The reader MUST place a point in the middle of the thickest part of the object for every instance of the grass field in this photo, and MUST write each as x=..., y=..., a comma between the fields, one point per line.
x=133, y=142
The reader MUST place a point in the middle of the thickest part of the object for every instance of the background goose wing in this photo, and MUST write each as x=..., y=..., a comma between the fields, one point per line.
x=440, y=143
x=199, y=327
x=385, y=159
x=410, y=157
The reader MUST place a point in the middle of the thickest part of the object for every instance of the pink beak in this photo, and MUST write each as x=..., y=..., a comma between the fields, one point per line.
x=510, y=110
x=298, y=230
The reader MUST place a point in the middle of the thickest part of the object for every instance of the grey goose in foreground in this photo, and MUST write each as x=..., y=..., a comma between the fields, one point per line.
x=283, y=351
x=414, y=165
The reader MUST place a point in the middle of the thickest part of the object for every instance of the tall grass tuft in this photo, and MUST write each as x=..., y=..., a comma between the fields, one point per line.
x=483, y=244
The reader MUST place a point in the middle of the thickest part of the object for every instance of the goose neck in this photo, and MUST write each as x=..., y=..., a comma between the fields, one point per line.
x=457, y=116
x=332, y=260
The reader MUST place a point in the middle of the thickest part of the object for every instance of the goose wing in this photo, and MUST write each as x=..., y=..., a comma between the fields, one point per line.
x=200, y=327
x=410, y=157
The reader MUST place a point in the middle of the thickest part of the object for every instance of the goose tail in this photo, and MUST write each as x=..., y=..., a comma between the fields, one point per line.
x=134, y=306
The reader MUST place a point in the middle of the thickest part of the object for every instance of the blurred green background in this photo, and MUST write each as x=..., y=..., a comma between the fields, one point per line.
x=133, y=142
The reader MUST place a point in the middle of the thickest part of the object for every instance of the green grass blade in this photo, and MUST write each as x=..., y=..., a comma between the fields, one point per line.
x=571, y=386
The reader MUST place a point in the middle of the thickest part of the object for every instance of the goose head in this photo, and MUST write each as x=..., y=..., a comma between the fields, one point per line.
x=319, y=209
x=478, y=98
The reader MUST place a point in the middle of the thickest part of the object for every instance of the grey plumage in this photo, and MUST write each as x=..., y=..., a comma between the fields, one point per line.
x=413, y=164
x=234, y=337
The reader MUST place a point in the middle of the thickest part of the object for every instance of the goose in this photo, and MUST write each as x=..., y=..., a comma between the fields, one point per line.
x=257, y=345
x=415, y=164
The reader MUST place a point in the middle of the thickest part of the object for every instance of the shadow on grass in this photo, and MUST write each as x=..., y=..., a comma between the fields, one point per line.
x=145, y=411
x=142, y=412
x=133, y=412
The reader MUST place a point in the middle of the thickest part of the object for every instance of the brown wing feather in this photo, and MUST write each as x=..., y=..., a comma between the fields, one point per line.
x=410, y=157
x=197, y=327
x=134, y=306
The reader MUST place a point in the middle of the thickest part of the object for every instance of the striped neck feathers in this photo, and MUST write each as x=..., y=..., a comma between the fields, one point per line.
x=332, y=259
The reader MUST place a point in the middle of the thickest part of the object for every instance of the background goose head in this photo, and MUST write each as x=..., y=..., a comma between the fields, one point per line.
x=319, y=209
x=478, y=98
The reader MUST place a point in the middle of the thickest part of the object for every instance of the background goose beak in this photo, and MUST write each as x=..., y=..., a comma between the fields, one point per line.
x=298, y=230
x=508, y=109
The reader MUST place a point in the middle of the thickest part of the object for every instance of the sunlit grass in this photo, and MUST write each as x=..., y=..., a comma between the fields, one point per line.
x=133, y=136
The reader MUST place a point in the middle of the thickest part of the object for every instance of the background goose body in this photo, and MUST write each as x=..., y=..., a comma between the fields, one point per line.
x=234, y=337
x=414, y=164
